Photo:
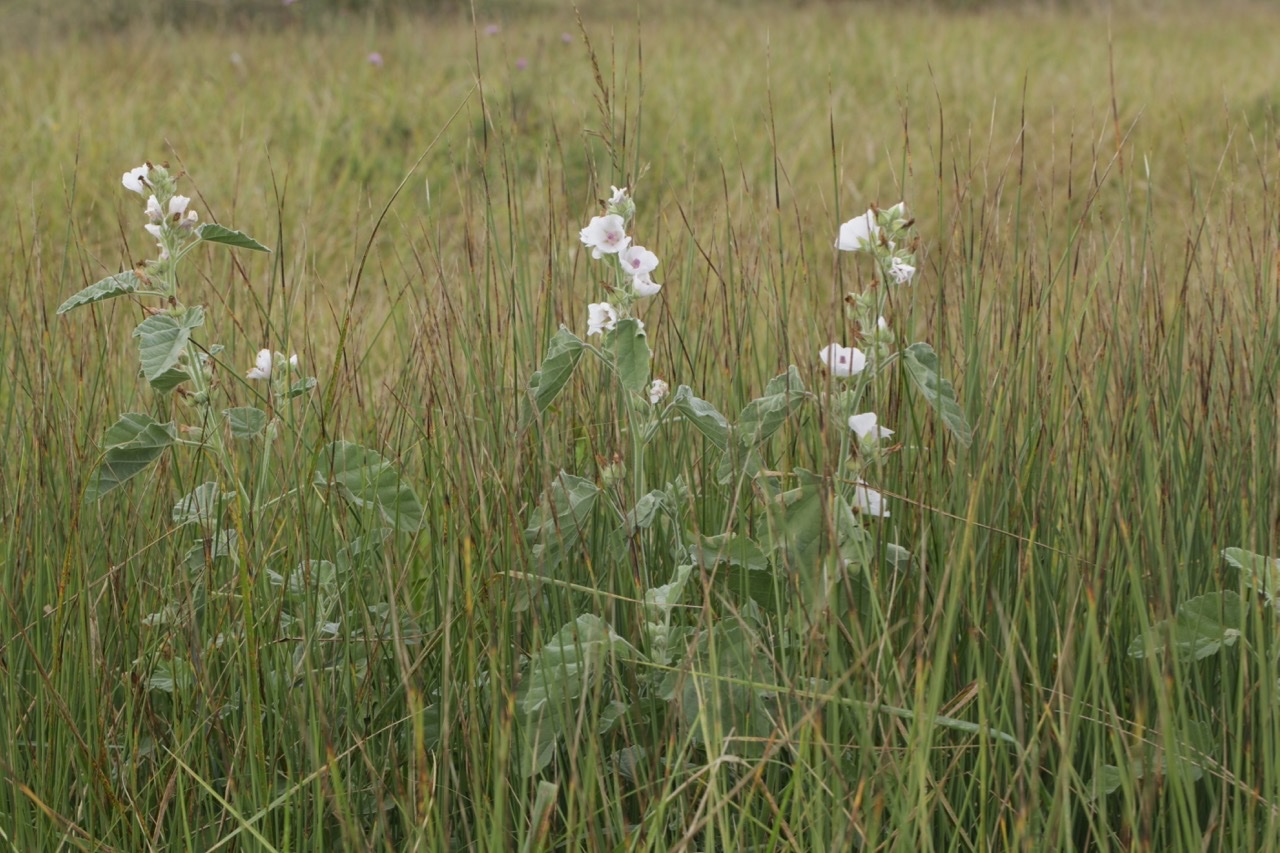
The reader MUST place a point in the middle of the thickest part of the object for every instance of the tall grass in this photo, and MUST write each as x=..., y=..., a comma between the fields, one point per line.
x=1099, y=276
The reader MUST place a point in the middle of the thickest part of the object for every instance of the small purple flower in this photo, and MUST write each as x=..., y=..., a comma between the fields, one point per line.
x=566, y=38
x=492, y=30
x=288, y=2
x=522, y=64
x=375, y=59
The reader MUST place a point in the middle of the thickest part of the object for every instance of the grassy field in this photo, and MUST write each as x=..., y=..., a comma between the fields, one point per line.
x=1096, y=199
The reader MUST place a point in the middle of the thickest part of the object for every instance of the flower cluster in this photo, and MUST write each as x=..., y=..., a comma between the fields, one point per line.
x=606, y=235
x=168, y=218
x=884, y=235
x=879, y=233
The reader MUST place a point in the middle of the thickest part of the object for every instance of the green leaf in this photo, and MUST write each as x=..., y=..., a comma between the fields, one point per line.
x=711, y=551
x=646, y=510
x=132, y=443
x=172, y=675
x=765, y=415
x=798, y=526
x=301, y=387
x=563, y=352
x=723, y=716
x=739, y=565
x=245, y=421
x=922, y=366
x=631, y=354
x=659, y=600
x=110, y=287
x=366, y=479
x=162, y=338
x=1189, y=756
x=567, y=665
x=170, y=379
x=320, y=576
x=221, y=544
x=1259, y=573
x=736, y=461
x=556, y=525
x=362, y=546
x=1203, y=626
x=555, y=673
x=211, y=232
x=702, y=415
x=201, y=505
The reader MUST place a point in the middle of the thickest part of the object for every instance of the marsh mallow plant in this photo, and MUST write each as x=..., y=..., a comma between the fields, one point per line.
x=228, y=417
x=793, y=538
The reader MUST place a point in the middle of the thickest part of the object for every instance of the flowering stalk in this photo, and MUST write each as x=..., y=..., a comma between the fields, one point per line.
x=623, y=333
x=885, y=236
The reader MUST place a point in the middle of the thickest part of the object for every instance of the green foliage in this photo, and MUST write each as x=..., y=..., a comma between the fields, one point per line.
x=560, y=520
x=131, y=445
x=631, y=351
x=211, y=232
x=562, y=356
x=245, y=421
x=702, y=415
x=162, y=340
x=922, y=366
x=110, y=287
x=1203, y=626
x=363, y=478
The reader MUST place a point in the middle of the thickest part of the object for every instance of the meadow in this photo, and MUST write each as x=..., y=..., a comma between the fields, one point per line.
x=535, y=618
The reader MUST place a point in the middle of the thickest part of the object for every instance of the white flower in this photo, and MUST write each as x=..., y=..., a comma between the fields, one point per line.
x=178, y=205
x=153, y=229
x=263, y=363
x=843, y=361
x=189, y=221
x=136, y=179
x=600, y=317
x=901, y=272
x=261, y=367
x=866, y=424
x=643, y=285
x=606, y=235
x=897, y=213
x=637, y=260
x=869, y=501
x=859, y=234
x=154, y=213
x=619, y=195
x=658, y=390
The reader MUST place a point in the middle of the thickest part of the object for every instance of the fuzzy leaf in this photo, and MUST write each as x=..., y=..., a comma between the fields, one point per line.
x=1203, y=626
x=765, y=415
x=702, y=415
x=922, y=366
x=245, y=421
x=110, y=287
x=557, y=524
x=1259, y=573
x=170, y=379
x=132, y=443
x=162, y=339
x=211, y=232
x=631, y=351
x=563, y=352
x=366, y=479
x=200, y=506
